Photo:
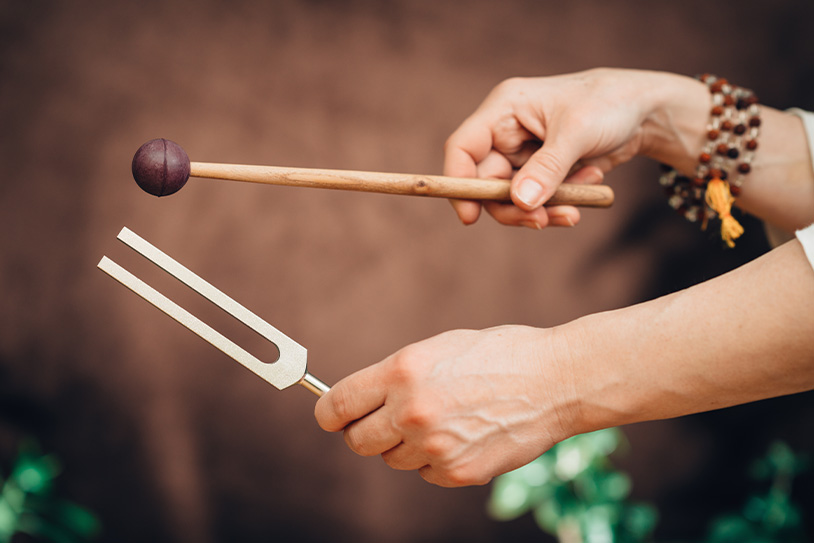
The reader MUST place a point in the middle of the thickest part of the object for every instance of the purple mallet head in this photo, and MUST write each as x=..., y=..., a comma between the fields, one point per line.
x=161, y=167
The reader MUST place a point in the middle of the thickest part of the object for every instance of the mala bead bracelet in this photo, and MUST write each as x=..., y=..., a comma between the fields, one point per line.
x=725, y=160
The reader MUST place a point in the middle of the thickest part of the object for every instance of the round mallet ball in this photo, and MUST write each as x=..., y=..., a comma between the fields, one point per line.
x=161, y=167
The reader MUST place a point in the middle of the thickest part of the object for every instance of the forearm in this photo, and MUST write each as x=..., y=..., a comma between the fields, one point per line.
x=780, y=187
x=741, y=337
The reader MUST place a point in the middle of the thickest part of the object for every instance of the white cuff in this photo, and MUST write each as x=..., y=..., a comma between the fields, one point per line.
x=806, y=237
x=808, y=124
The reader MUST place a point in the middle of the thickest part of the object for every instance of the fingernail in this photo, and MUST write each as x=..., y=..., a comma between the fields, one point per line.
x=531, y=224
x=562, y=220
x=529, y=191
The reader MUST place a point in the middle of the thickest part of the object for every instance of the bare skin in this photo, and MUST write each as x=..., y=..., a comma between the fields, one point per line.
x=465, y=406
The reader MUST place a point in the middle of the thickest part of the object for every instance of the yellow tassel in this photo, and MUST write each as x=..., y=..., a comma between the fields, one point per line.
x=720, y=199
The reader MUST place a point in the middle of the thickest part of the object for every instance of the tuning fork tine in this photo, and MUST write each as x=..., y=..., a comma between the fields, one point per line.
x=291, y=366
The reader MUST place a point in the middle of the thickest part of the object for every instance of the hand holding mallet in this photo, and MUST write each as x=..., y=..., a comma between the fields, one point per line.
x=161, y=167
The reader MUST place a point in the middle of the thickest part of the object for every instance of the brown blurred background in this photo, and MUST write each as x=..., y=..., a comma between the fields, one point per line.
x=167, y=439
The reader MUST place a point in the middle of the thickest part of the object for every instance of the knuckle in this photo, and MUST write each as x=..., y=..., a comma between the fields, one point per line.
x=418, y=415
x=404, y=367
x=356, y=442
x=452, y=142
x=510, y=86
x=465, y=476
x=552, y=162
x=342, y=406
x=435, y=446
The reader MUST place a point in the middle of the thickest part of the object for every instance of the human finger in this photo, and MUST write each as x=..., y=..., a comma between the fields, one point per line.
x=536, y=181
x=452, y=478
x=465, y=148
x=468, y=210
x=588, y=174
x=372, y=434
x=537, y=219
x=495, y=165
x=403, y=457
x=351, y=399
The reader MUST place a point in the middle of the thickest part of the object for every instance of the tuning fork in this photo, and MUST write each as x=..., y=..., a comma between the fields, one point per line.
x=290, y=368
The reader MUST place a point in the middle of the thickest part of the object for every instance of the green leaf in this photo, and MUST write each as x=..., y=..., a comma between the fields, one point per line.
x=77, y=519
x=640, y=520
x=509, y=499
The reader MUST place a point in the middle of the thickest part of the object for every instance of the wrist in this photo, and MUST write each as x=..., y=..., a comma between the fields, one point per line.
x=586, y=358
x=674, y=130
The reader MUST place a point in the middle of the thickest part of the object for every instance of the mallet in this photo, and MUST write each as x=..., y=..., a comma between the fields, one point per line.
x=161, y=167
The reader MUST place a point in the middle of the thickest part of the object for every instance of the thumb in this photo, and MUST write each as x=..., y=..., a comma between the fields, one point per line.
x=540, y=176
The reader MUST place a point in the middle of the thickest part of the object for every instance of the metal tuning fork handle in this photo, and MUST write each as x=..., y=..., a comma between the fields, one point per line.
x=291, y=366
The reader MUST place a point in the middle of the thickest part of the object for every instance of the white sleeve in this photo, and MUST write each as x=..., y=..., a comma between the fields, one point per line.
x=806, y=235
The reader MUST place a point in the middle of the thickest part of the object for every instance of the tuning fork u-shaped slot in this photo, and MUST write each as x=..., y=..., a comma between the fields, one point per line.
x=291, y=366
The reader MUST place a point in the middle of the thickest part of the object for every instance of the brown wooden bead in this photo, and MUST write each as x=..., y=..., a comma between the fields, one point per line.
x=729, y=100
x=699, y=182
x=735, y=190
x=704, y=158
x=739, y=129
x=726, y=126
x=751, y=145
x=754, y=121
x=722, y=149
x=714, y=173
x=713, y=134
x=717, y=111
x=744, y=168
x=718, y=85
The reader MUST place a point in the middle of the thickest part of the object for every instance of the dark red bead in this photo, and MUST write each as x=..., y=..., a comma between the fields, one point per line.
x=717, y=111
x=751, y=145
x=739, y=129
x=744, y=168
x=726, y=126
x=704, y=158
x=728, y=100
x=754, y=121
x=713, y=134
x=714, y=173
x=735, y=190
x=718, y=85
x=722, y=149
x=742, y=103
x=733, y=153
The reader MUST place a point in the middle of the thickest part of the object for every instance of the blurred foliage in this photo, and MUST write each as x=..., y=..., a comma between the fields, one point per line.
x=769, y=516
x=575, y=493
x=28, y=505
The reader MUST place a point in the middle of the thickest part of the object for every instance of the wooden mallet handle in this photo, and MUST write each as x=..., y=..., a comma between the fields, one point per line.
x=161, y=167
x=397, y=183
